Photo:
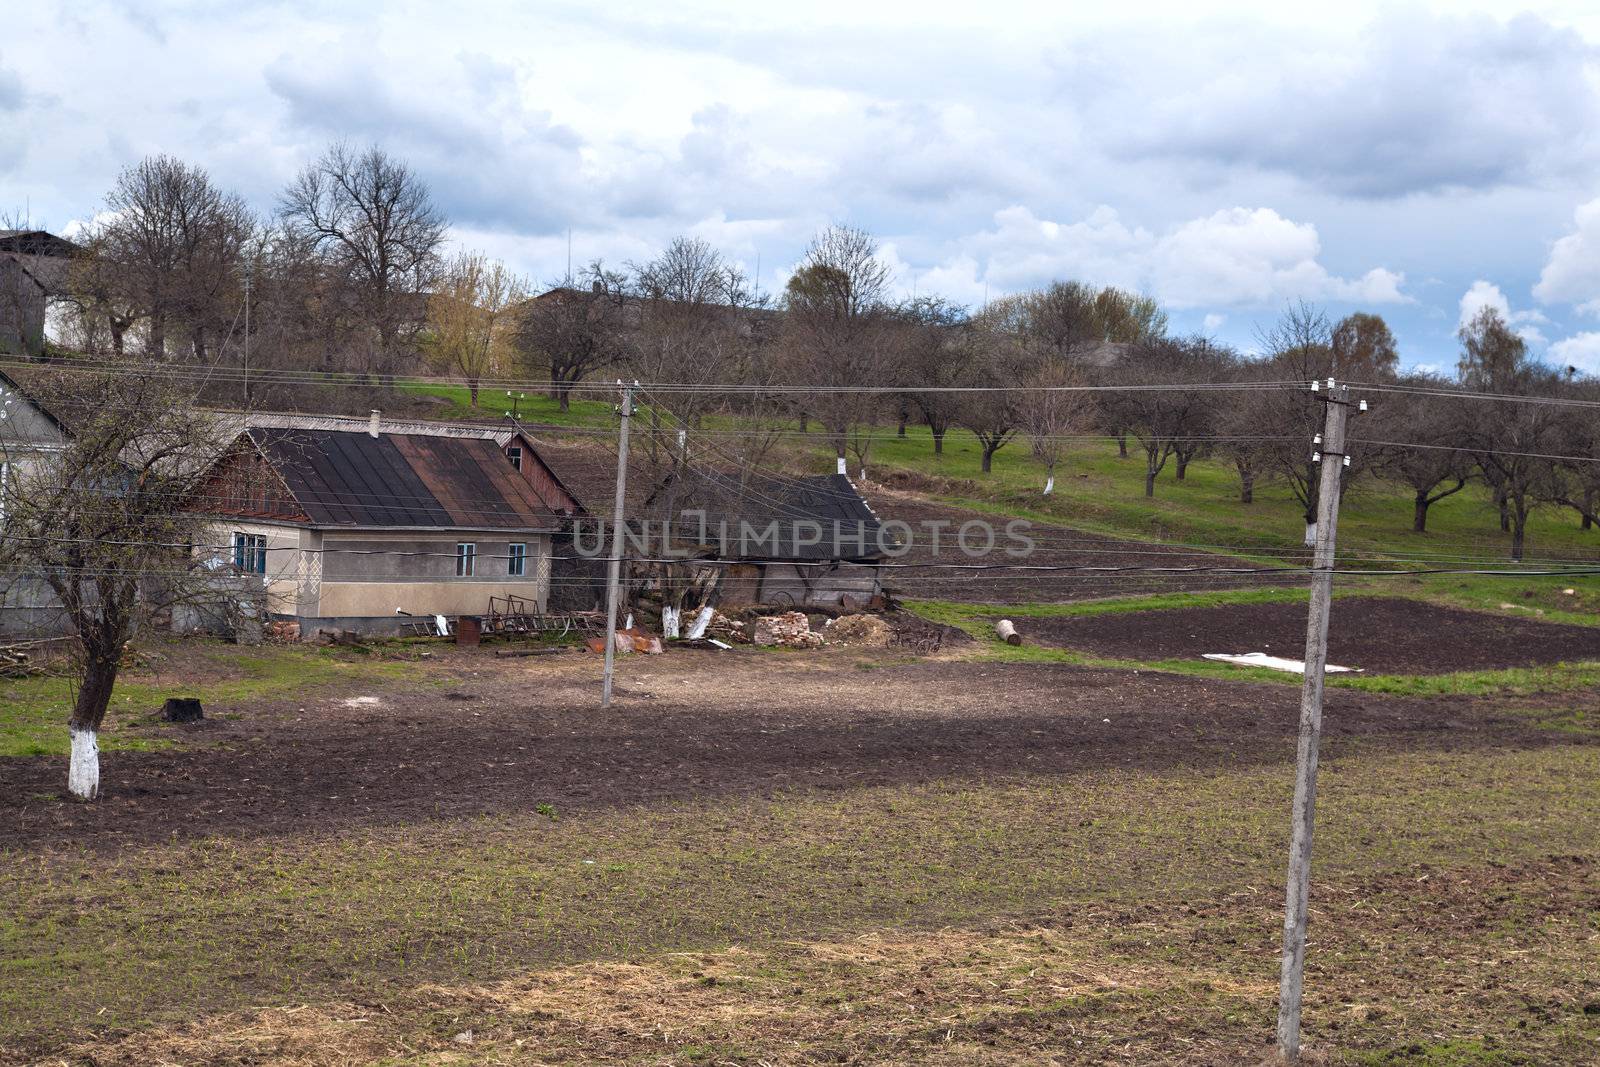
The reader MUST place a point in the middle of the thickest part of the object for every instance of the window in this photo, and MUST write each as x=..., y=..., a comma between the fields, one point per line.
x=517, y=560
x=514, y=454
x=466, y=559
x=250, y=552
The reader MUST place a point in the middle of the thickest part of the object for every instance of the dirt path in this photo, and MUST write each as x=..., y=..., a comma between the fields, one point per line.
x=689, y=725
x=1382, y=635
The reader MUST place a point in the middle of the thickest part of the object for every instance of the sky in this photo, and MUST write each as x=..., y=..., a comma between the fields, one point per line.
x=1417, y=161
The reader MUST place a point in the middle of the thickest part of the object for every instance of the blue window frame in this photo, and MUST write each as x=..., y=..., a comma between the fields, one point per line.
x=250, y=552
x=517, y=559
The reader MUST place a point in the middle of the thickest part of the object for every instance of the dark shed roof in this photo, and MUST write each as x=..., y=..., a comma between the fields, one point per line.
x=782, y=501
x=346, y=478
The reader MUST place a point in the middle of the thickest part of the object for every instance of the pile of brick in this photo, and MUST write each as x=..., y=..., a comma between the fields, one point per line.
x=790, y=630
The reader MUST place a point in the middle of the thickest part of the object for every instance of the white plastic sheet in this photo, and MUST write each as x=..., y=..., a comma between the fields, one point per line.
x=1275, y=663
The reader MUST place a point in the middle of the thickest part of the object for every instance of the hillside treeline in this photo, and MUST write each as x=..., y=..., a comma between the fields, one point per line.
x=349, y=275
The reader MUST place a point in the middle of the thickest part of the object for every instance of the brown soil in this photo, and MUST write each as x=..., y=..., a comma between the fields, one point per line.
x=501, y=735
x=1054, y=546
x=1378, y=634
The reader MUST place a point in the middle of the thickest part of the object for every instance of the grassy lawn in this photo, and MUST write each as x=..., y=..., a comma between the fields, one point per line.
x=1099, y=492
x=1119, y=907
x=493, y=404
x=33, y=711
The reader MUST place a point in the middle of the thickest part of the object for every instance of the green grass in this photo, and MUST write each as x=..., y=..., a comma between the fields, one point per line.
x=950, y=611
x=165, y=932
x=33, y=711
x=1099, y=492
x=492, y=404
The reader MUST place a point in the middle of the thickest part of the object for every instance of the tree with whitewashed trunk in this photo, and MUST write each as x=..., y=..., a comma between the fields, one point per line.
x=105, y=523
x=1052, y=409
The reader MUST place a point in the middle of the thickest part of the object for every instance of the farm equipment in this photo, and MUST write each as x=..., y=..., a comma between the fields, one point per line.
x=513, y=615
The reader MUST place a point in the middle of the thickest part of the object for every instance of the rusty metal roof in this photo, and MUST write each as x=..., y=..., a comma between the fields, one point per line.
x=347, y=478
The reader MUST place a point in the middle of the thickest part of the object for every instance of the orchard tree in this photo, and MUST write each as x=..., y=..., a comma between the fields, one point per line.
x=1051, y=409
x=569, y=333
x=836, y=330
x=103, y=522
x=1152, y=404
x=471, y=318
x=997, y=363
x=931, y=355
x=1420, y=443
x=698, y=324
x=1509, y=438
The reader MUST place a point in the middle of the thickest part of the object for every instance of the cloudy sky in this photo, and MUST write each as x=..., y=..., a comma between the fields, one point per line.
x=1418, y=161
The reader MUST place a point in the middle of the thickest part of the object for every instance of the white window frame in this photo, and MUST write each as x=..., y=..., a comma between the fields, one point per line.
x=466, y=559
x=517, y=559
x=514, y=454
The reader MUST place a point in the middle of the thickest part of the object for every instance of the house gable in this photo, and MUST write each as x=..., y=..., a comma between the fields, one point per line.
x=243, y=484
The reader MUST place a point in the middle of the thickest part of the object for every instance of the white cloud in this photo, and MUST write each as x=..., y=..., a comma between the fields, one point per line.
x=1581, y=350
x=1231, y=258
x=1525, y=323
x=1572, y=273
x=1410, y=102
x=1213, y=322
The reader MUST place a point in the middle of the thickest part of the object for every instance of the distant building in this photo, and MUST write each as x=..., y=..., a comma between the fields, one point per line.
x=348, y=528
x=29, y=435
x=33, y=271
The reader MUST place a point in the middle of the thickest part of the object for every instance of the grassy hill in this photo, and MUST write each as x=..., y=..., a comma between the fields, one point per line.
x=1099, y=492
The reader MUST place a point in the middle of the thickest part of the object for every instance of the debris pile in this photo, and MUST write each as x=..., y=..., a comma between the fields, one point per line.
x=726, y=629
x=629, y=640
x=790, y=630
x=867, y=630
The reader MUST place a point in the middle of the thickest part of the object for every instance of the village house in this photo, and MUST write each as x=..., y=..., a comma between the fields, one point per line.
x=356, y=527
x=33, y=271
x=29, y=435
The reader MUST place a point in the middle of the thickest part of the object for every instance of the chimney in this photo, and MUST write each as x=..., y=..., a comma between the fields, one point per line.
x=372, y=423
x=841, y=466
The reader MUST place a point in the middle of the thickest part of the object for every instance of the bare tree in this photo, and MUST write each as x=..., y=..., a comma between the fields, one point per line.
x=1509, y=439
x=835, y=333
x=103, y=523
x=698, y=325
x=1299, y=350
x=998, y=361
x=371, y=219
x=931, y=354
x=570, y=333
x=1575, y=483
x=1050, y=410
x=1437, y=465
x=471, y=318
x=1161, y=415
x=1066, y=319
x=167, y=255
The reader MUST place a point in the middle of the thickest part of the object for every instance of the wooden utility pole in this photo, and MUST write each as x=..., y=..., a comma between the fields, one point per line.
x=614, y=564
x=1328, y=450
